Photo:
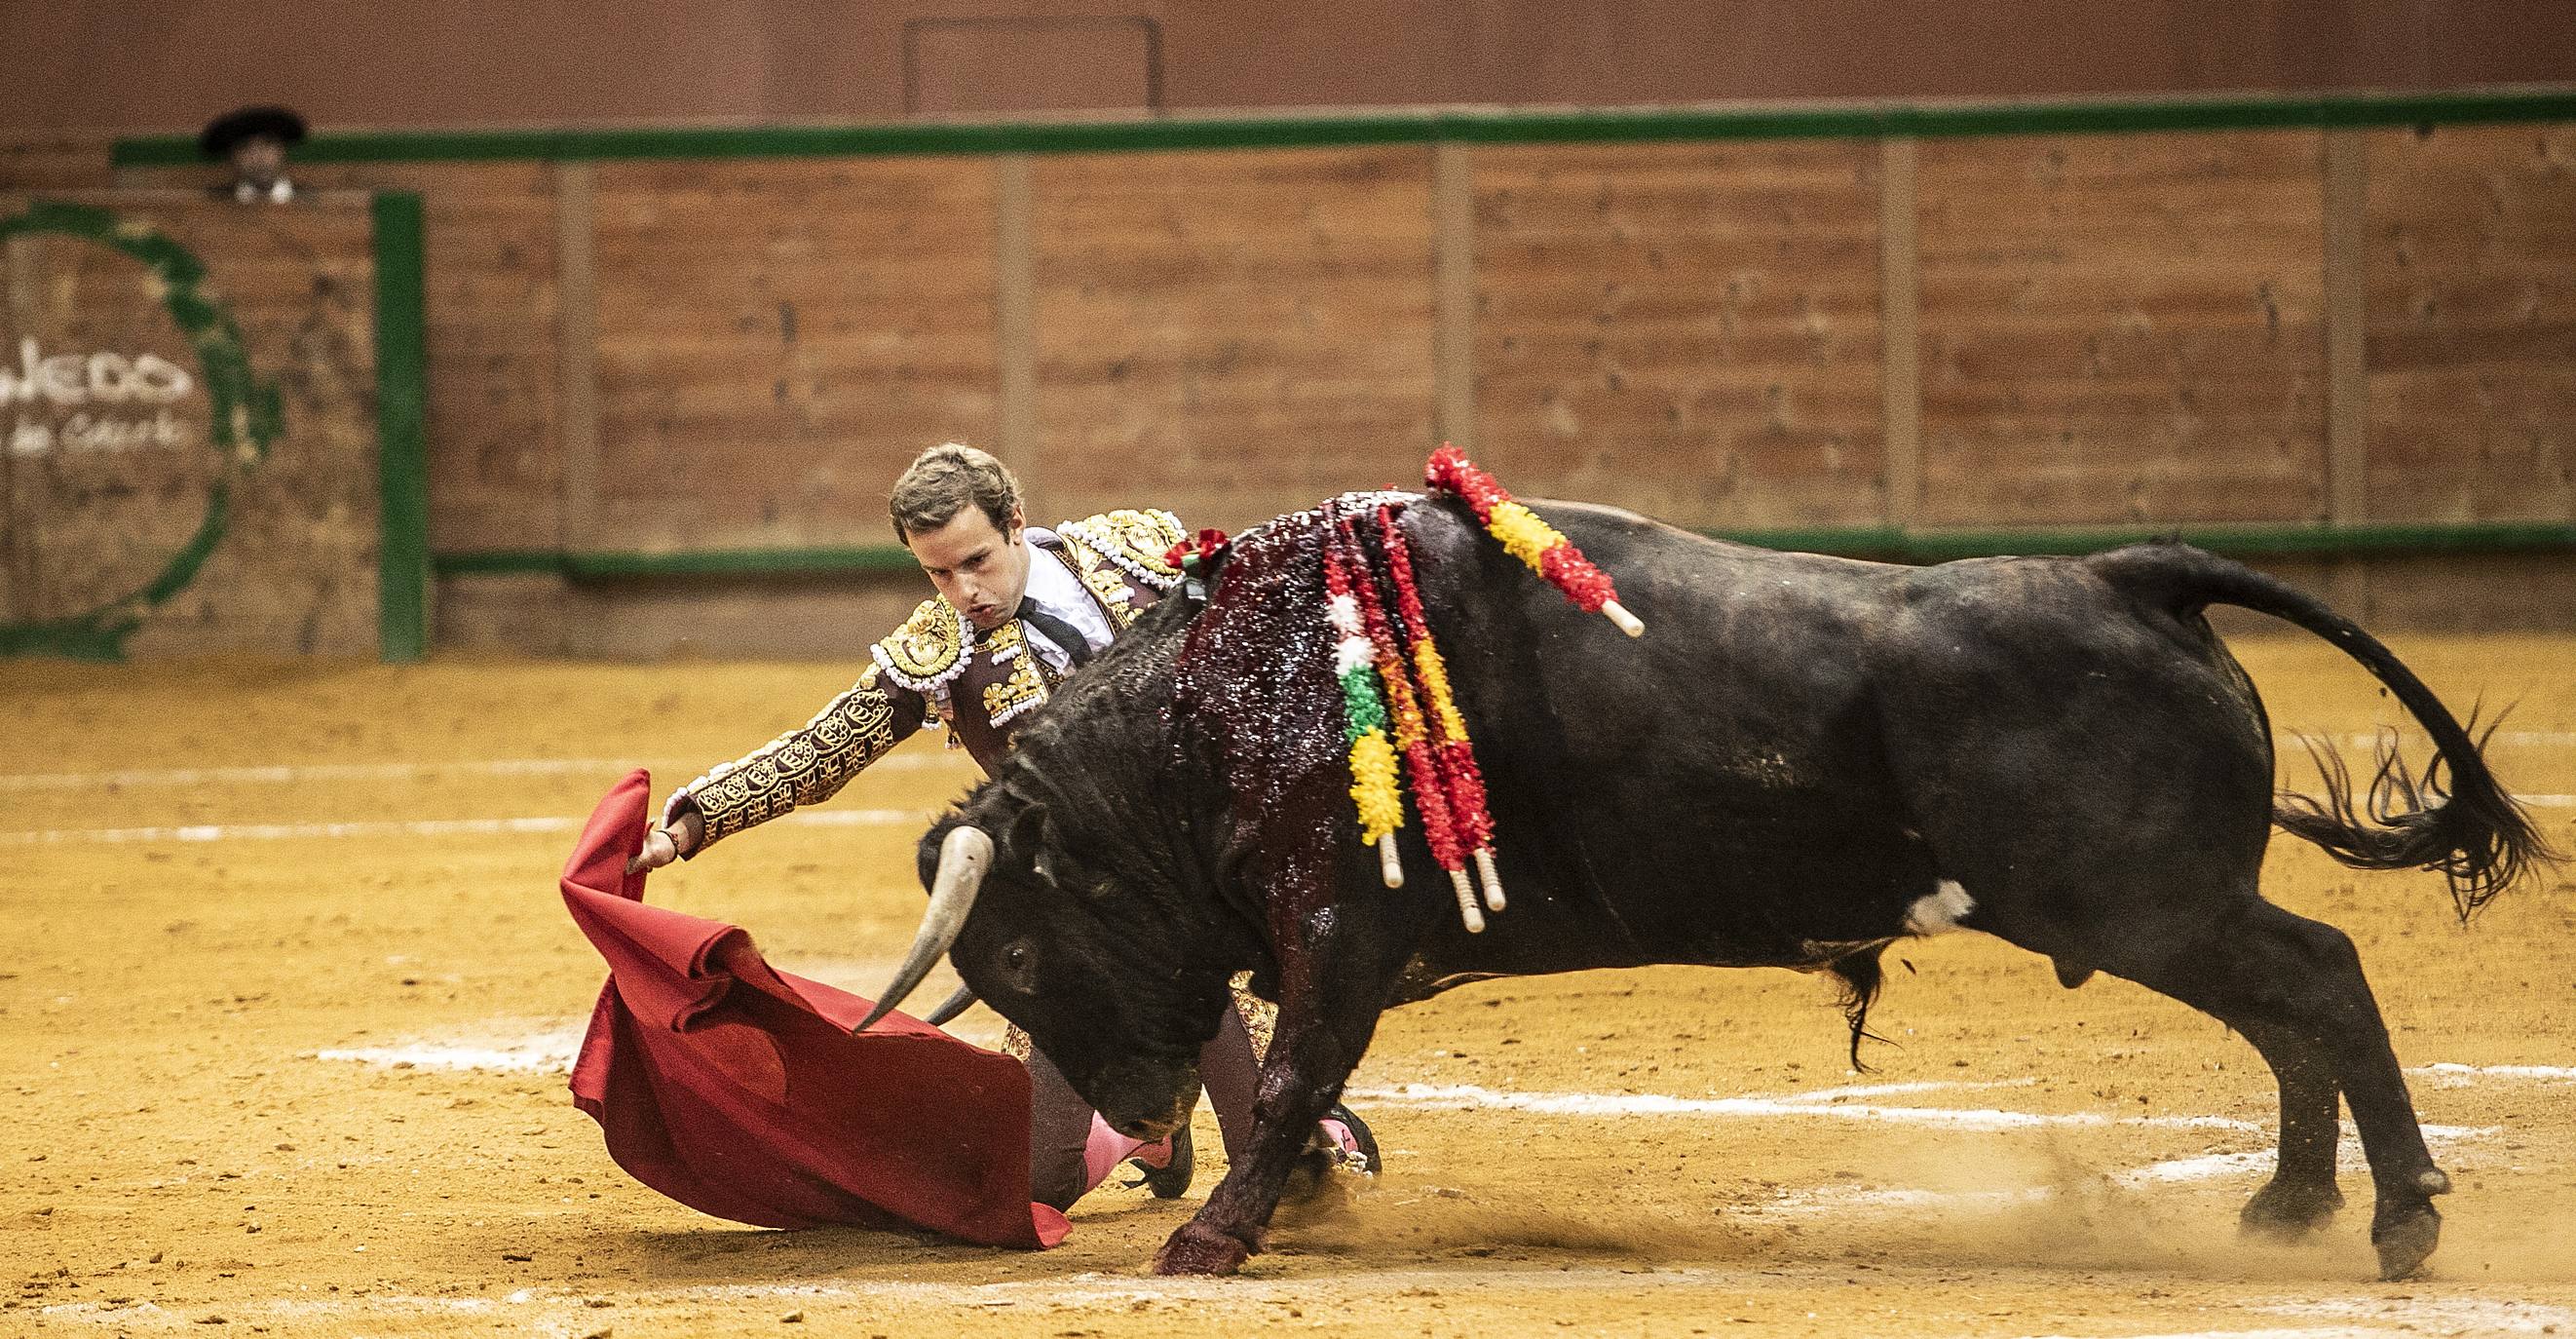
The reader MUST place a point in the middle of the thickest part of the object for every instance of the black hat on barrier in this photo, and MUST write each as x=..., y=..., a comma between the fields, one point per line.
x=216, y=141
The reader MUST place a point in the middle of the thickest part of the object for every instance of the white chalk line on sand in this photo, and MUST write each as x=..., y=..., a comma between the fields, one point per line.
x=552, y=1308
x=2450, y=1075
x=299, y=773
x=553, y=1052
x=509, y=1052
x=2269, y=1332
x=2458, y=1315
x=543, y=1056
x=1466, y=1097
x=543, y=824
x=2249, y=1164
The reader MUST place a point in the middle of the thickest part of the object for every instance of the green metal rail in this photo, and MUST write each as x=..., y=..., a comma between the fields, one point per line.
x=1467, y=125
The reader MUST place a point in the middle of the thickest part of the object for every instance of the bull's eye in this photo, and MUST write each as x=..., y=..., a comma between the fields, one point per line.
x=1019, y=966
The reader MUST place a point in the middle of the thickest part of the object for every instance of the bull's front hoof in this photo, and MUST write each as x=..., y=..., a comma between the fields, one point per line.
x=2287, y=1210
x=1197, y=1248
x=2405, y=1239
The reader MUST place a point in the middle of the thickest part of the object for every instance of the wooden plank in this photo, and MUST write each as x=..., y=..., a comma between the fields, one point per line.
x=2347, y=329
x=1900, y=304
x=2122, y=329
x=1453, y=209
x=2471, y=276
x=22, y=278
x=1232, y=335
x=577, y=354
x=2347, y=582
x=1015, y=313
x=783, y=337
x=1691, y=330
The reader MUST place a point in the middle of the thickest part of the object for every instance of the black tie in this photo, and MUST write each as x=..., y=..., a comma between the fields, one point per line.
x=1076, y=650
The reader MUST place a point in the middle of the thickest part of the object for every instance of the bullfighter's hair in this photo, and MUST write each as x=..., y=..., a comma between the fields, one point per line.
x=946, y=480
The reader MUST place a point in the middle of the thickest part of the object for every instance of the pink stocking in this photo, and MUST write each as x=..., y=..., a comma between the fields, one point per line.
x=1102, y=1153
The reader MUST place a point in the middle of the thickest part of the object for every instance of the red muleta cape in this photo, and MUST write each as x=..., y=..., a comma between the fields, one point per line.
x=738, y=1090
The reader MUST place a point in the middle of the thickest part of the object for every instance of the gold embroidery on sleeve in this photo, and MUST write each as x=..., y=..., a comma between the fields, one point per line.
x=803, y=766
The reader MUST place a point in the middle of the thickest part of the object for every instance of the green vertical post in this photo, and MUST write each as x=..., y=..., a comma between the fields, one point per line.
x=402, y=443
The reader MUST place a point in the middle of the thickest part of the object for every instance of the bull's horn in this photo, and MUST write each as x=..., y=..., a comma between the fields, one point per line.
x=962, y=858
x=949, y=1008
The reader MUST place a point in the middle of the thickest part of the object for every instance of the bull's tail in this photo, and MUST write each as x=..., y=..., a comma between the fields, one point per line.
x=2464, y=825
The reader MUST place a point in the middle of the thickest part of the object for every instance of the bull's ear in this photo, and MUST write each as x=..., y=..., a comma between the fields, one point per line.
x=1027, y=835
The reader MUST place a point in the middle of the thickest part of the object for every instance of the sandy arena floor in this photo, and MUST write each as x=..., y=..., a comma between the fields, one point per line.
x=290, y=994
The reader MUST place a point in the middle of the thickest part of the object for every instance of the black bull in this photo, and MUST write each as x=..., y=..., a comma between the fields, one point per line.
x=1798, y=753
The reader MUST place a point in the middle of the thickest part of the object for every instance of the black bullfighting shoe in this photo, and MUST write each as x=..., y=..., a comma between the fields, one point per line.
x=1178, y=1162
x=1347, y=1137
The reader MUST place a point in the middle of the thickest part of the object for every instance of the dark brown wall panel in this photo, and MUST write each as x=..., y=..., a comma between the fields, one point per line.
x=777, y=339
x=2472, y=316
x=2122, y=329
x=1689, y=330
x=1231, y=335
x=94, y=64
x=987, y=66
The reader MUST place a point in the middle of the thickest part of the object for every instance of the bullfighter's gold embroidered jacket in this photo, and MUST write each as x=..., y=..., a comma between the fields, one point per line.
x=933, y=670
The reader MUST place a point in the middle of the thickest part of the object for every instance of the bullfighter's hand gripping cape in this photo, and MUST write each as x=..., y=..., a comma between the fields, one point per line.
x=738, y=1089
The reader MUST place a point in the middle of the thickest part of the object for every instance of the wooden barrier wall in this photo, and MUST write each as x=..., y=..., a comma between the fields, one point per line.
x=188, y=426
x=1690, y=330
x=2222, y=329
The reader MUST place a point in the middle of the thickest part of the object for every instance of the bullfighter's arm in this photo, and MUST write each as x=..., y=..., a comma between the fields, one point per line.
x=804, y=766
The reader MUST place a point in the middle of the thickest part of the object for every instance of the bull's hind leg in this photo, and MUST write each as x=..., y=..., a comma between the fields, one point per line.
x=2301, y=1195
x=2295, y=987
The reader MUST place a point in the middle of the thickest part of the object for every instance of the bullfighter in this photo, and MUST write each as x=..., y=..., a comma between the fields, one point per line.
x=1018, y=609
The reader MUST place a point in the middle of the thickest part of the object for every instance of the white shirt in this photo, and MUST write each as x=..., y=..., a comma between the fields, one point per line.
x=1059, y=592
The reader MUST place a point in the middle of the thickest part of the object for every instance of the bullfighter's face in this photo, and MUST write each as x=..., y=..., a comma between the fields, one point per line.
x=1074, y=960
x=980, y=569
